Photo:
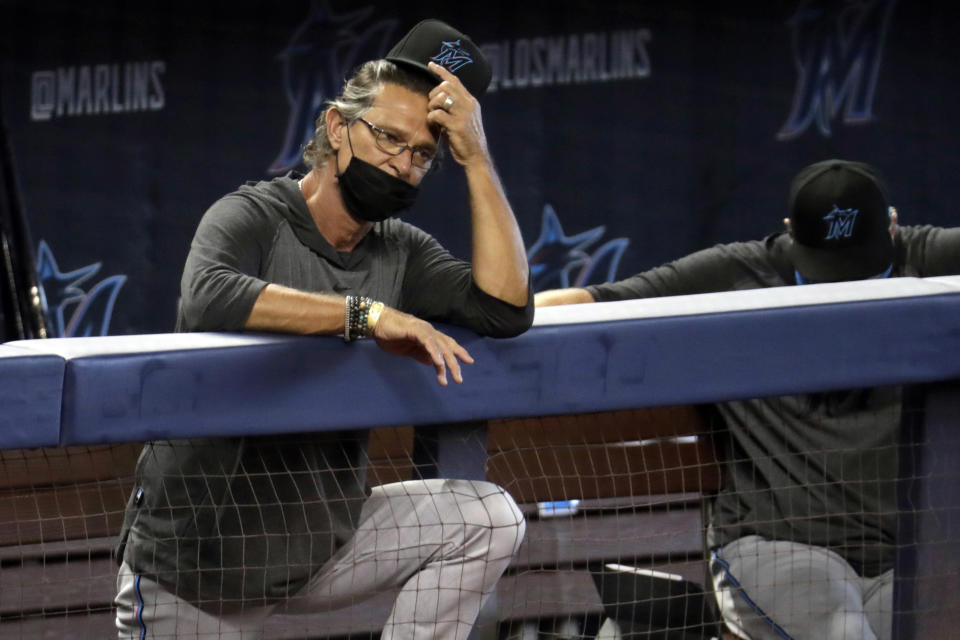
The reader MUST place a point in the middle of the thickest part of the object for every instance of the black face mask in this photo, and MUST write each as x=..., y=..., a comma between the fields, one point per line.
x=372, y=194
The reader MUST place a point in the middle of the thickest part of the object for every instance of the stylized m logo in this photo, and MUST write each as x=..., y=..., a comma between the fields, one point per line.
x=320, y=53
x=452, y=56
x=837, y=48
x=841, y=223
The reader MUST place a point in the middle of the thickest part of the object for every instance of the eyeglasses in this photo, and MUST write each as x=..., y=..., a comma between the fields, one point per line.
x=392, y=145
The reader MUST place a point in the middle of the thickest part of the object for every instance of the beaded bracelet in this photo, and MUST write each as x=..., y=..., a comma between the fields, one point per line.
x=359, y=320
x=347, y=309
x=356, y=319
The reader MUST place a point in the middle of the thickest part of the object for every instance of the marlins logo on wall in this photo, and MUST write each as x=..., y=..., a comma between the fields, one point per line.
x=837, y=51
x=71, y=309
x=321, y=52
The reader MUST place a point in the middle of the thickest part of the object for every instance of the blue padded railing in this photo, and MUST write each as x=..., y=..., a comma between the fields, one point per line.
x=582, y=358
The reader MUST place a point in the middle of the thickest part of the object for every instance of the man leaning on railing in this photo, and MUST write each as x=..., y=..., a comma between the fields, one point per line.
x=803, y=531
x=222, y=532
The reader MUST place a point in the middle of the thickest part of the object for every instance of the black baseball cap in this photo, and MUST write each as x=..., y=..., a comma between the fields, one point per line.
x=433, y=40
x=840, y=222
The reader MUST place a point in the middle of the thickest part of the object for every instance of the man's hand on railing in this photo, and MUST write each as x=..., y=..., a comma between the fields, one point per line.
x=406, y=335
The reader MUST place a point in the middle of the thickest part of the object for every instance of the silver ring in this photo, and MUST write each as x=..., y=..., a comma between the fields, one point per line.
x=447, y=103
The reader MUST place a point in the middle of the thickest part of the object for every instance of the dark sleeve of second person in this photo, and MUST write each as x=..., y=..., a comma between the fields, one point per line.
x=720, y=268
x=439, y=287
x=220, y=284
x=931, y=251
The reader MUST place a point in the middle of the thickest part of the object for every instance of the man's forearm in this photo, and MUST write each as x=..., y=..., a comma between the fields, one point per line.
x=499, y=257
x=555, y=297
x=287, y=310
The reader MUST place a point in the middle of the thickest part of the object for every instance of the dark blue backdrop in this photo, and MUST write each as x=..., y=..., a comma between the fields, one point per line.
x=633, y=132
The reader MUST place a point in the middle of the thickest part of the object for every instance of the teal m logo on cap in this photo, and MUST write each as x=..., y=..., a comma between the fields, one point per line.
x=841, y=222
x=452, y=56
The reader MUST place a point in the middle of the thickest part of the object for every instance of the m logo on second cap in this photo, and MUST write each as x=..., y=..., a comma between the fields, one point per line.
x=841, y=222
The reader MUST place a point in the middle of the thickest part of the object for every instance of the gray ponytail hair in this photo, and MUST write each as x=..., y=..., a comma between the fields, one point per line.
x=358, y=94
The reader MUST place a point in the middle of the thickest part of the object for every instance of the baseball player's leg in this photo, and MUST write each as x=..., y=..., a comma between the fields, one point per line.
x=147, y=611
x=878, y=604
x=774, y=590
x=443, y=542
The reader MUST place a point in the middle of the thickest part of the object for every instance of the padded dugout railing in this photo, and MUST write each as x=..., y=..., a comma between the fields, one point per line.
x=587, y=358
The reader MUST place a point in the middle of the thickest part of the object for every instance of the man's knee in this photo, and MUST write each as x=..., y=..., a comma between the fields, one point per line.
x=488, y=511
x=499, y=510
x=506, y=519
